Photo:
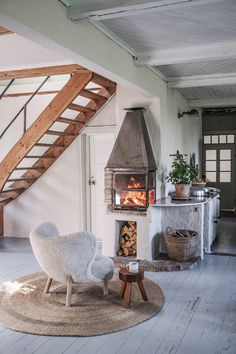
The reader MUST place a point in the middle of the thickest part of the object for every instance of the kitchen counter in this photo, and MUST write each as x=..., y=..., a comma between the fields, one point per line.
x=168, y=202
x=198, y=213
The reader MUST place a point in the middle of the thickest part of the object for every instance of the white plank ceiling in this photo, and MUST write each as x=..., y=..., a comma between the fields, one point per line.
x=177, y=38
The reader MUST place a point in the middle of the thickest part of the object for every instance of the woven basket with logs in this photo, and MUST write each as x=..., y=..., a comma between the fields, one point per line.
x=127, y=239
x=181, y=245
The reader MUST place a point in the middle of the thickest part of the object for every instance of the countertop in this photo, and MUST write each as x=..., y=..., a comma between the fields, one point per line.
x=168, y=202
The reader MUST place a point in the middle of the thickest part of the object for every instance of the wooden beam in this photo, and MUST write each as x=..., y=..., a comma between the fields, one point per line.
x=46, y=71
x=4, y=31
x=45, y=120
x=202, y=80
x=212, y=102
x=1, y=221
x=118, y=8
x=221, y=50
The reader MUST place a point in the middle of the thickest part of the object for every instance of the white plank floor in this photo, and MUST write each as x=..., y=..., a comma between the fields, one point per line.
x=199, y=315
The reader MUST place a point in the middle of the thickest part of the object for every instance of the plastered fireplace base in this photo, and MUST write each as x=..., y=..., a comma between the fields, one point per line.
x=145, y=235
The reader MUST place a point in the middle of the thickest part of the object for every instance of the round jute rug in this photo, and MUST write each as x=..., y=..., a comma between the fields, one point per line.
x=24, y=308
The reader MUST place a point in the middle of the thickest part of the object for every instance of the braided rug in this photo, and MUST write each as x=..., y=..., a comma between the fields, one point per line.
x=24, y=308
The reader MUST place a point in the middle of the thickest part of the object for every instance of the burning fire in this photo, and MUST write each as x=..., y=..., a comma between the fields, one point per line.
x=134, y=184
x=133, y=197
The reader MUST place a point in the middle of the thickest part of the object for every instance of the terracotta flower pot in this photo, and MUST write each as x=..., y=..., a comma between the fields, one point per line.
x=182, y=190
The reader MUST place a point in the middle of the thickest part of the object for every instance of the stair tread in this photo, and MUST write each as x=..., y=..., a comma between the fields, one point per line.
x=11, y=190
x=68, y=121
x=49, y=145
x=55, y=132
x=21, y=179
x=79, y=108
x=92, y=95
x=39, y=157
x=3, y=199
x=29, y=168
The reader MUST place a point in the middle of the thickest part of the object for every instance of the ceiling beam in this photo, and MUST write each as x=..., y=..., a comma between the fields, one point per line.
x=222, y=50
x=118, y=8
x=213, y=102
x=46, y=71
x=202, y=80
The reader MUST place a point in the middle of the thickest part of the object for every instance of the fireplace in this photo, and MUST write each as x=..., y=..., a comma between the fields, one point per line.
x=133, y=190
x=130, y=175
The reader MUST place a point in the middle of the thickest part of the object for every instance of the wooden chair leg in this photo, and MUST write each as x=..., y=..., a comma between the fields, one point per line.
x=122, y=289
x=128, y=294
x=105, y=289
x=48, y=284
x=68, y=292
x=142, y=290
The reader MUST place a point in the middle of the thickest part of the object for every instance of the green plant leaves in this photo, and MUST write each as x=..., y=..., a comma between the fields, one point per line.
x=182, y=172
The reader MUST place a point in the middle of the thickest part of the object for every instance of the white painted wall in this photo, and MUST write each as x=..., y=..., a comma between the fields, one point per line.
x=18, y=52
x=183, y=134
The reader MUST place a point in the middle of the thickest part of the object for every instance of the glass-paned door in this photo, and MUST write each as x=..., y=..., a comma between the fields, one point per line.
x=219, y=166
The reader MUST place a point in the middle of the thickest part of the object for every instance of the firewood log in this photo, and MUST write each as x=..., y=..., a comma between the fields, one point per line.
x=126, y=252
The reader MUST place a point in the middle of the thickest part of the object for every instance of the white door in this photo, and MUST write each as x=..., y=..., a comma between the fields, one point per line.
x=100, y=147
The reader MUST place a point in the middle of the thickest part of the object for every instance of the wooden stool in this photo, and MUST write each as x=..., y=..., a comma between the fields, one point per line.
x=127, y=279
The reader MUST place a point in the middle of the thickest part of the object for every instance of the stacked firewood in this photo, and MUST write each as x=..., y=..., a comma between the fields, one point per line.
x=127, y=239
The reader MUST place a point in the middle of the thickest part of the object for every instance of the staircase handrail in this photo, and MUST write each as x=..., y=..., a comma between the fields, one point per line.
x=23, y=108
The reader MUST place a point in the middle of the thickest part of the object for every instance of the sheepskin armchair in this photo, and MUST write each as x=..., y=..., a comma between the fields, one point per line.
x=70, y=258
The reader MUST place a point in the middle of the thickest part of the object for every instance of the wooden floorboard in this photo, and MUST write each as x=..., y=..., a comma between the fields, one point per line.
x=225, y=243
x=198, y=315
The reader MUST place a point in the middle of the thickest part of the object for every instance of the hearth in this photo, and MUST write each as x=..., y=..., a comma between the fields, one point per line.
x=130, y=182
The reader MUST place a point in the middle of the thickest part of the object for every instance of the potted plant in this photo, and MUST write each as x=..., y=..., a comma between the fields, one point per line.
x=181, y=175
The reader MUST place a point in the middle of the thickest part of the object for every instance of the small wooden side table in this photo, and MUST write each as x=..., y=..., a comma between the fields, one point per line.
x=126, y=287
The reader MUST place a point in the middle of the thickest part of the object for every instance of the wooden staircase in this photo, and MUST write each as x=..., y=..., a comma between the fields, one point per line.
x=17, y=160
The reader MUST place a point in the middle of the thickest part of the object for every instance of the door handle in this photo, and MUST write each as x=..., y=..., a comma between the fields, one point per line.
x=92, y=181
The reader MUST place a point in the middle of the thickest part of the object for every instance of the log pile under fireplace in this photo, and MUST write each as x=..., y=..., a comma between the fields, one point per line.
x=127, y=239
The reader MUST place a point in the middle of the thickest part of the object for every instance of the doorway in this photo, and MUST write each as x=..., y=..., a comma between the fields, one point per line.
x=218, y=159
x=98, y=143
x=219, y=165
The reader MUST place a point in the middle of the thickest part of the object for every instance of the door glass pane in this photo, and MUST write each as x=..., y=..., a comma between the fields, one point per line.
x=207, y=139
x=211, y=176
x=225, y=165
x=225, y=154
x=214, y=139
x=230, y=139
x=210, y=154
x=225, y=176
x=210, y=165
x=223, y=139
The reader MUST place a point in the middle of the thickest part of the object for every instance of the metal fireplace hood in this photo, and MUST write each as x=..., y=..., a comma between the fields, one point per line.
x=132, y=149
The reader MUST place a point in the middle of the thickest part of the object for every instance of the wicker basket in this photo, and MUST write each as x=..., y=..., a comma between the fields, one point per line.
x=181, y=245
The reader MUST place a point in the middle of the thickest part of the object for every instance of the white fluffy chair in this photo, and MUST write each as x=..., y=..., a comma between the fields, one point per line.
x=70, y=259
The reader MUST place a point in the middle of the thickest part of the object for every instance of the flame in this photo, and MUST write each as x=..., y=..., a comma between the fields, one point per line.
x=133, y=198
x=133, y=184
x=136, y=197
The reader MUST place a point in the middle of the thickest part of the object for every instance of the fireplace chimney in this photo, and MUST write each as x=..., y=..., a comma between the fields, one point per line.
x=132, y=149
